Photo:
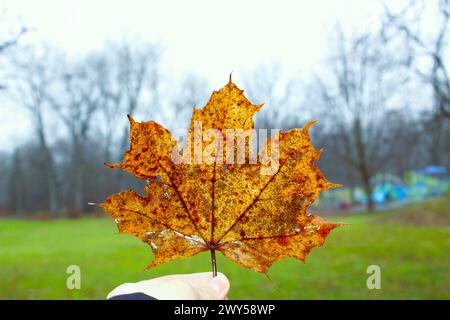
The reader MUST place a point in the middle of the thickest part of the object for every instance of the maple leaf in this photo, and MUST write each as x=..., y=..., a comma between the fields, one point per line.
x=252, y=211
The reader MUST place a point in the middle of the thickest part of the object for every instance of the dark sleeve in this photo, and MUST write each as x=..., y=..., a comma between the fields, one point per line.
x=133, y=296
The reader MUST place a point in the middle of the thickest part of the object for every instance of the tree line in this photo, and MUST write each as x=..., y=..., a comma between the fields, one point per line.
x=383, y=100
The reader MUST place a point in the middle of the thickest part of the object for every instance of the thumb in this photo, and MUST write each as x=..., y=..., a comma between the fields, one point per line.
x=216, y=288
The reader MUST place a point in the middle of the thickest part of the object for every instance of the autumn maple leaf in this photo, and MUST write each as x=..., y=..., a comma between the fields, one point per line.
x=210, y=197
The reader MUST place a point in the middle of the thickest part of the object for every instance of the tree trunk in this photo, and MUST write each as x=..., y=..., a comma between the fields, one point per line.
x=370, y=205
x=363, y=166
x=48, y=167
x=16, y=186
x=51, y=189
x=77, y=176
x=123, y=146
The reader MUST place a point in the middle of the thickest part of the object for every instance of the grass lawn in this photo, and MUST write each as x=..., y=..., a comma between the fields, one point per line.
x=412, y=252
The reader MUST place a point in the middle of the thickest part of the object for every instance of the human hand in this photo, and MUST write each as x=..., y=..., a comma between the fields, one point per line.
x=195, y=286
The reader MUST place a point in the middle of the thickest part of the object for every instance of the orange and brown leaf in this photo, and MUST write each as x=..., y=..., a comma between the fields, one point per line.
x=202, y=203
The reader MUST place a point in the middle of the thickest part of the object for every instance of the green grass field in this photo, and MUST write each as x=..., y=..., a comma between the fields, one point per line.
x=411, y=245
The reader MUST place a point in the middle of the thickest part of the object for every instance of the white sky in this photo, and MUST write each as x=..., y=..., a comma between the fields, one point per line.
x=209, y=38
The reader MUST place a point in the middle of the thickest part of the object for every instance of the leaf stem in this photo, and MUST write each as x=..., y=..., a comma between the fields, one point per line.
x=213, y=262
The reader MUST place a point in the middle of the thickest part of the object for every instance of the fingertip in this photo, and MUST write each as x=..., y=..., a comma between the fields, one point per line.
x=220, y=285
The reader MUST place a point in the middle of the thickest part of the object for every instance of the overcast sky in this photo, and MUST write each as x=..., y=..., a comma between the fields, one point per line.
x=209, y=38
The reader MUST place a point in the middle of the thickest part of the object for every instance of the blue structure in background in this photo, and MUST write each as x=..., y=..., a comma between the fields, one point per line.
x=428, y=182
x=388, y=187
x=433, y=171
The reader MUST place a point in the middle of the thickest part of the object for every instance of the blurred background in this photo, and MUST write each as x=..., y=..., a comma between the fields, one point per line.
x=375, y=73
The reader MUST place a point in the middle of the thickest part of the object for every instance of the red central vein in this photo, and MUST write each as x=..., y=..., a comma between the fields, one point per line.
x=213, y=200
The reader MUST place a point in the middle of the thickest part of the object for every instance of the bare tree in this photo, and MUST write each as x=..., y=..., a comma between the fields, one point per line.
x=125, y=72
x=13, y=40
x=75, y=98
x=355, y=95
x=78, y=107
x=137, y=74
x=433, y=47
x=107, y=77
x=9, y=37
x=139, y=71
x=192, y=92
x=266, y=85
x=32, y=78
x=435, y=133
